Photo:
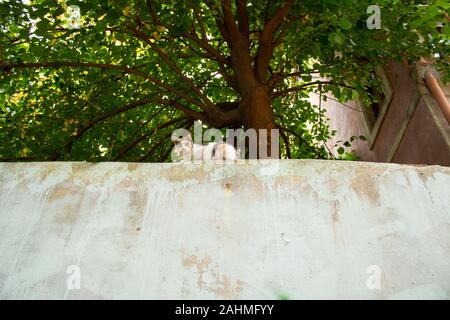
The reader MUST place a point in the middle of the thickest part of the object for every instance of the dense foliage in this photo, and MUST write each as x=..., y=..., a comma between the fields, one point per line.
x=113, y=84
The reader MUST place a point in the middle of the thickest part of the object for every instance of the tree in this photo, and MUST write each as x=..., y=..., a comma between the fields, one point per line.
x=113, y=84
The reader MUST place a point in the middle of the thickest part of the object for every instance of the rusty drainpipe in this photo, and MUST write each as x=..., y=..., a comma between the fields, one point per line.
x=438, y=94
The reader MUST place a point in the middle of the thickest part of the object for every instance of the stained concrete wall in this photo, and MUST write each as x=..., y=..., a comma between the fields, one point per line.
x=288, y=229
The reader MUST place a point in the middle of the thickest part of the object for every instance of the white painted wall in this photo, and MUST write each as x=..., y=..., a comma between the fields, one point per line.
x=290, y=229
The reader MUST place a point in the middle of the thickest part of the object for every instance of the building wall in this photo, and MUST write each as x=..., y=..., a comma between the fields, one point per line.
x=286, y=229
x=413, y=129
x=422, y=141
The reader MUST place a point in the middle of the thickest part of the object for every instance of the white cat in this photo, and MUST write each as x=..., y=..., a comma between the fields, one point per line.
x=187, y=150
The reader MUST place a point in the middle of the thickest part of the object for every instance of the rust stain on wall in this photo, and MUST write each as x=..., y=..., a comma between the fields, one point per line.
x=225, y=289
x=335, y=215
x=365, y=187
x=201, y=265
x=182, y=173
x=132, y=166
x=223, y=286
x=335, y=220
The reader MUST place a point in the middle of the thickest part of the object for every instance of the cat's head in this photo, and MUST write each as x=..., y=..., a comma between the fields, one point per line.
x=182, y=144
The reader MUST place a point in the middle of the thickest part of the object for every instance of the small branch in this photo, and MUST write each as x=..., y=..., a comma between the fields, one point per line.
x=164, y=156
x=209, y=105
x=285, y=138
x=187, y=111
x=152, y=12
x=162, y=141
x=266, y=11
x=134, y=143
x=242, y=16
x=214, y=54
x=68, y=146
x=230, y=24
x=283, y=32
x=447, y=16
x=155, y=146
x=303, y=86
x=345, y=105
x=295, y=89
x=58, y=64
x=200, y=23
x=266, y=43
x=276, y=20
x=299, y=137
x=329, y=151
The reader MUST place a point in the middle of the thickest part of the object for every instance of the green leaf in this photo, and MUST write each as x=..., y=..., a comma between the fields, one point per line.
x=43, y=25
x=336, y=38
x=345, y=24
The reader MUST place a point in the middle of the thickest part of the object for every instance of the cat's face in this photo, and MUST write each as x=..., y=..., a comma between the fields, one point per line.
x=182, y=146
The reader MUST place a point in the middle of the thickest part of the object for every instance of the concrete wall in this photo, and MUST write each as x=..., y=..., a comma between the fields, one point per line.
x=278, y=230
x=413, y=130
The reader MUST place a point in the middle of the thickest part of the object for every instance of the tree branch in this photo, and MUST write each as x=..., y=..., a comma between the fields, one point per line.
x=155, y=146
x=58, y=64
x=266, y=43
x=68, y=146
x=240, y=59
x=285, y=138
x=134, y=143
x=276, y=20
x=200, y=23
x=284, y=31
x=266, y=11
x=215, y=55
x=187, y=111
x=209, y=105
x=303, y=86
x=242, y=16
x=230, y=24
x=161, y=142
x=299, y=137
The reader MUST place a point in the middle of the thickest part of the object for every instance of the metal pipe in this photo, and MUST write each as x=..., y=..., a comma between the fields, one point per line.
x=438, y=94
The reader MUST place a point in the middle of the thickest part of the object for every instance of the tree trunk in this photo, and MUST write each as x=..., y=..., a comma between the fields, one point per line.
x=255, y=107
x=256, y=113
